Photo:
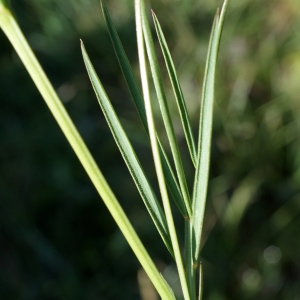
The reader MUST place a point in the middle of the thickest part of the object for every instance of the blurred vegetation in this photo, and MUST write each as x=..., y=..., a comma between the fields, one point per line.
x=57, y=239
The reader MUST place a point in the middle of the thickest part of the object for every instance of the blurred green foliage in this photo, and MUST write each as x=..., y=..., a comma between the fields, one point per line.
x=57, y=239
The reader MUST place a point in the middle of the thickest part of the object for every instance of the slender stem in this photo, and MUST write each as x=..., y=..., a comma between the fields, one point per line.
x=137, y=97
x=155, y=150
x=189, y=261
x=16, y=37
x=165, y=110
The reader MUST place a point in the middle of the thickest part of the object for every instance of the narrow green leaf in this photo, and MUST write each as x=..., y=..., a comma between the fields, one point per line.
x=165, y=110
x=125, y=66
x=205, y=131
x=139, y=103
x=128, y=154
x=177, y=91
x=202, y=170
x=139, y=8
x=221, y=22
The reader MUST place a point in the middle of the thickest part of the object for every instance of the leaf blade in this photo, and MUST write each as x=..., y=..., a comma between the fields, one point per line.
x=205, y=130
x=177, y=90
x=202, y=169
x=129, y=155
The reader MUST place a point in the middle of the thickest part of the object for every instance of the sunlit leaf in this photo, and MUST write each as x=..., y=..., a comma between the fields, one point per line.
x=177, y=91
x=205, y=130
x=128, y=154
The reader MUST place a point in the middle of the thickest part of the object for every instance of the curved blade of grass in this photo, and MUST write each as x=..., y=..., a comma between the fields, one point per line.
x=221, y=21
x=205, y=130
x=165, y=110
x=154, y=146
x=125, y=66
x=139, y=103
x=128, y=154
x=177, y=91
x=17, y=39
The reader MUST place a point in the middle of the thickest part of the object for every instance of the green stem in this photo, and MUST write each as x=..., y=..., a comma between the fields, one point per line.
x=154, y=66
x=154, y=145
x=17, y=39
x=189, y=262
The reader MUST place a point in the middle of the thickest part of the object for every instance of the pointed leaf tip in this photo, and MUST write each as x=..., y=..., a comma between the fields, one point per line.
x=205, y=130
x=184, y=116
x=102, y=4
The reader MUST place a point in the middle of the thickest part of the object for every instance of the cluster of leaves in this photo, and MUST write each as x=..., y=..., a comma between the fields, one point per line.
x=56, y=236
x=191, y=208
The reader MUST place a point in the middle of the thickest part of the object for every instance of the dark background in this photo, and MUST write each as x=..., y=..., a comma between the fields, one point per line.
x=57, y=239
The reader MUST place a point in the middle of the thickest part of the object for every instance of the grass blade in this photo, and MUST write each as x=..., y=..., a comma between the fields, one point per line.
x=128, y=154
x=202, y=170
x=177, y=91
x=221, y=22
x=139, y=103
x=139, y=7
x=205, y=130
x=165, y=110
x=125, y=66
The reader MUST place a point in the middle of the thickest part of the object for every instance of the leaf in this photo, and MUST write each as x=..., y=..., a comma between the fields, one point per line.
x=165, y=111
x=205, y=130
x=128, y=154
x=177, y=91
x=139, y=103
x=125, y=66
